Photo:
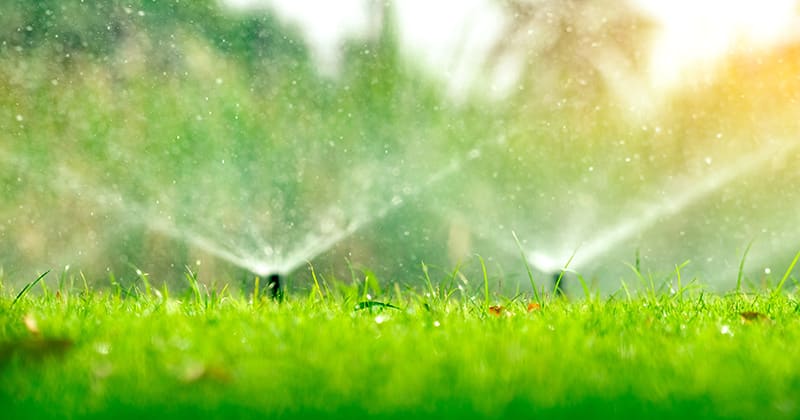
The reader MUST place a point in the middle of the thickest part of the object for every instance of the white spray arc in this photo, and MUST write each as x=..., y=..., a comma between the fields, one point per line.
x=263, y=259
x=585, y=253
x=269, y=262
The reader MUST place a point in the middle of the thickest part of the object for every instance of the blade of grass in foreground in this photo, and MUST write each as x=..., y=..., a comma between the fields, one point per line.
x=741, y=269
x=192, y=278
x=28, y=287
x=786, y=275
x=486, y=303
x=316, y=289
x=586, y=292
x=556, y=287
x=528, y=269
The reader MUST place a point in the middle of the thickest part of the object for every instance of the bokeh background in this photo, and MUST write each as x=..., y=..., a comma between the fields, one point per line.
x=367, y=138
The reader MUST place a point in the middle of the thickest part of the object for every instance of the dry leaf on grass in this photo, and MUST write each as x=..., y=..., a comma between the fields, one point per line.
x=496, y=310
x=753, y=316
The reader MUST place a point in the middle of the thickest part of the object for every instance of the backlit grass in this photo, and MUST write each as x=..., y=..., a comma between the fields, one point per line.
x=438, y=352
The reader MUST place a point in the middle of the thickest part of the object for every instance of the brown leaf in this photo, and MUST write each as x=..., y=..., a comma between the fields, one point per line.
x=496, y=310
x=533, y=306
x=752, y=316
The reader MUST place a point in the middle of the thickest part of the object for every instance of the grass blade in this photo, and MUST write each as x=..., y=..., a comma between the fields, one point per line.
x=193, y=284
x=680, y=289
x=255, y=289
x=28, y=287
x=317, y=289
x=786, y=275
x=586, y=292
x=369, y=304
x=536, y=296
x=741, y=269
x=557, y=286
x=485, y=285
x=428, y=281
x=627, y=291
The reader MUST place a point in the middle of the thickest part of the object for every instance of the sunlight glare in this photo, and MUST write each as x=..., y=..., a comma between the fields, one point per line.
x=693, y=35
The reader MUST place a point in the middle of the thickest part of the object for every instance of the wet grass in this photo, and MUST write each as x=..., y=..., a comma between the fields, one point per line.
x=441, y=352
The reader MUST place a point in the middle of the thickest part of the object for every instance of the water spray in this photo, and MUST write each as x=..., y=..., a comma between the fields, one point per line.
x=629, y=225
x=315, y=245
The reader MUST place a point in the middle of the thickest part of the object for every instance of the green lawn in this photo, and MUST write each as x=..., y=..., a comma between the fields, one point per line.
x=210, y=354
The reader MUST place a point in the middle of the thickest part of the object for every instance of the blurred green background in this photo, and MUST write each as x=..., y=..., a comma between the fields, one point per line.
x=154, y=135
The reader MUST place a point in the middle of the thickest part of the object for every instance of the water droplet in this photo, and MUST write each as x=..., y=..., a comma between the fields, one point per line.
x=708, y=160
x=767, y=270
x=380, y=319
x=19, y=117
x=268, y=251
x=436, y=324
x=726, y=330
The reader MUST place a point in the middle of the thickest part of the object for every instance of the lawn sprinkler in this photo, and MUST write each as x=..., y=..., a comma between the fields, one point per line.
x=274, y=286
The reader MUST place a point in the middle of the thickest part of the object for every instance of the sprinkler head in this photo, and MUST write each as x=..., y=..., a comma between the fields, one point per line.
x=274, y=286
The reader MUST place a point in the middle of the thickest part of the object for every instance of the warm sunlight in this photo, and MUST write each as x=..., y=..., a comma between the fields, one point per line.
x=694, y=34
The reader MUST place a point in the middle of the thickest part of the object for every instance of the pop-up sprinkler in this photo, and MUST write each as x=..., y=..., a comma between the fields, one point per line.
x=274, y=286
